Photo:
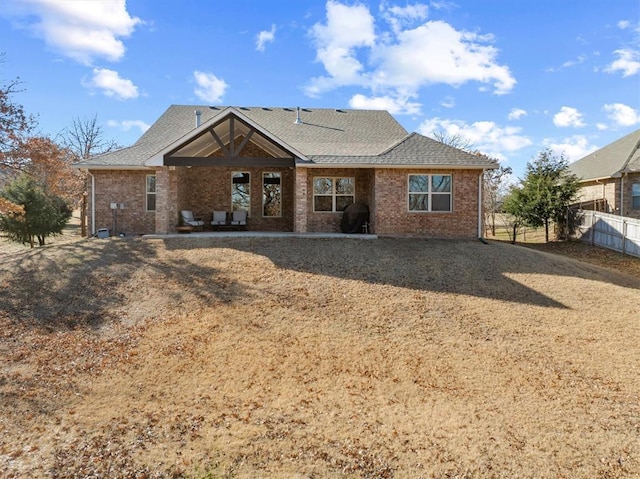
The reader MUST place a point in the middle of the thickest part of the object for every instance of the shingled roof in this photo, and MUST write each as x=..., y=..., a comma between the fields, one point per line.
x=621, y=156
x=327, y=137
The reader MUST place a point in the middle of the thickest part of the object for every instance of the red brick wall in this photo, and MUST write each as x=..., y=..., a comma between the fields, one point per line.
x=392, y=216
x=203, y=189
x=328, y=221
x=128, y=187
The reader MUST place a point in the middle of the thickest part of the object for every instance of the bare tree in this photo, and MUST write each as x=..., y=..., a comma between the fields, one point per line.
x=15, y=125
x=85, y=138
x=496, y=189
x=456, y=140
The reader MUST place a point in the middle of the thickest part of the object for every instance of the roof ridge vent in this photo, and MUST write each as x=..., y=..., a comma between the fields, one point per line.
x=298, y=119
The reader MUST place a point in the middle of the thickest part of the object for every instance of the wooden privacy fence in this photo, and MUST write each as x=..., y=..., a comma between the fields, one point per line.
x=618, y=233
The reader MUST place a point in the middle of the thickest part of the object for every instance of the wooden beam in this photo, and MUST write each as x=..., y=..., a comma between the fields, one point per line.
x=219, y=141
x=245, y=141
x=230, y=162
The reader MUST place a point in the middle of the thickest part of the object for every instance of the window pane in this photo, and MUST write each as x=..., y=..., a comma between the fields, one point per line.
x=240, y=191
x=322, y=186
x=151, y=202
x=418, y=183
x=441, y=183
x=151, y=184
x=344, y=186
x=271, y=195
x=418, y=202
x=323, y=203
x=441, y=202
x=342, y=202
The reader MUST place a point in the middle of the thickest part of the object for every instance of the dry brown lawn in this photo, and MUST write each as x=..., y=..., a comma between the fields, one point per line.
x=315, y=358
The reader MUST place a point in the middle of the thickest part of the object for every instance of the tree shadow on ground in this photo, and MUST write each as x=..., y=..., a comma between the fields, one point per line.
x=447, y=266
x=87, y=283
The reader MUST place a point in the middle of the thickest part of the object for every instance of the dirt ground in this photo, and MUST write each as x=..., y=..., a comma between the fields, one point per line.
x=315, y=358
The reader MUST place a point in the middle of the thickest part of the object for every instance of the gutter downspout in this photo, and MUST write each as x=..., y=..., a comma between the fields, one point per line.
x=622, y=175
x=93, y=203
x=480, y=176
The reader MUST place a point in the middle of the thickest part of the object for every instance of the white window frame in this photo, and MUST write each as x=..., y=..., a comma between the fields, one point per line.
x=333, y=194
x=148, y=192
x=429, y=193
x=279, y=173
x=635, y=196
x=232, y=189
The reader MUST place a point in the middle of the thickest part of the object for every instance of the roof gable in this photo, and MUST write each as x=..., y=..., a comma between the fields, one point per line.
x=220, y=141
x=609, y=161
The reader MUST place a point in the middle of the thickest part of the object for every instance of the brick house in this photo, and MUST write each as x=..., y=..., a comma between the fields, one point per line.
x=292, y=170
x=610, y=177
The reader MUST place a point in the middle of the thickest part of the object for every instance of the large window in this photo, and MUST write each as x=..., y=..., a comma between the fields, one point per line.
x=271, y=195
x=240, y=191
x=429, y=192
x=635, y=196
x=333, y=194
x=151, y=192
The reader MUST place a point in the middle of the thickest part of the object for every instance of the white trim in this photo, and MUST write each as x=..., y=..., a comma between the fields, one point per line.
x=388, y=166
x=107, y=167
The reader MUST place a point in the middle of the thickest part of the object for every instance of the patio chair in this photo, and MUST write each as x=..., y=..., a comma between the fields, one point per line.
x=219, y=218
x=239, y=218
x=188, y=219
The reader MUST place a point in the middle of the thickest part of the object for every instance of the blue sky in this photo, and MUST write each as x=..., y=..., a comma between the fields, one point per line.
x=512, y=76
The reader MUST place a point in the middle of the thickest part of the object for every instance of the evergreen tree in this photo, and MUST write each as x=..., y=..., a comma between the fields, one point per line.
x=43, y=214
x=545, y=193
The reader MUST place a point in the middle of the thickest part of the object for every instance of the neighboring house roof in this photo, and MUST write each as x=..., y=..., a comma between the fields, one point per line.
x=327, y=137
x=621, y=156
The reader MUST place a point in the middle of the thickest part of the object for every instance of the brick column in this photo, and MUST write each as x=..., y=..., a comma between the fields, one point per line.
x=301, y=201
x=166, y=200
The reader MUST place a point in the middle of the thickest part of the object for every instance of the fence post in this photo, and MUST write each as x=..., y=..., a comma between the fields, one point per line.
x=624, y=236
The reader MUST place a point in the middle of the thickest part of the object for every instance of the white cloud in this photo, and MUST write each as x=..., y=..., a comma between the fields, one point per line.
x=127, y=125
x=622, y=114
x=393, y=105
x=448, y=102
x=81, y=29
x=397, y=63
x=573, y=148
x=112, y=85
x=568, y=116
x=628, y=62
x=516, y=114
x=624, y=24
x=210, y=88
x=399, y=17
x=577, y=61
x=264, y=37
x=347, y=28
x=484, y=136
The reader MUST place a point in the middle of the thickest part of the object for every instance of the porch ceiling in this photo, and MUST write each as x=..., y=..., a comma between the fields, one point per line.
x=224, y=143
